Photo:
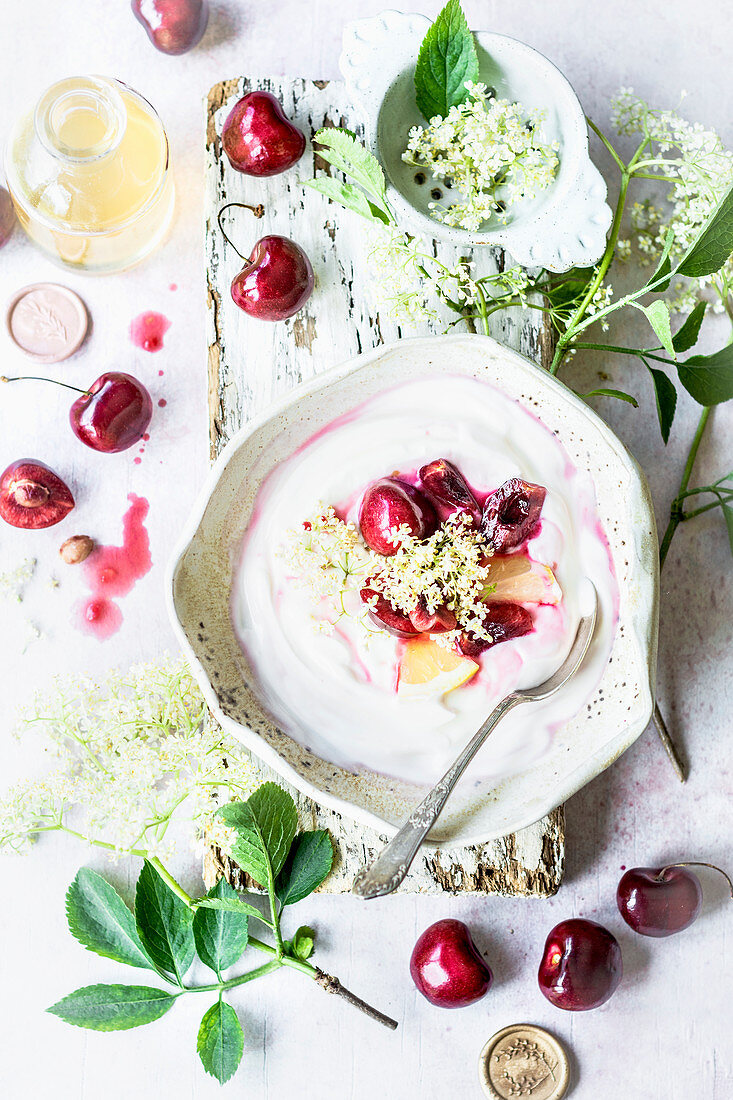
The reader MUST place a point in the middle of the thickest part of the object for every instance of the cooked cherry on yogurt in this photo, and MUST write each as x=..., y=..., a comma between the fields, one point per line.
x=512, y=513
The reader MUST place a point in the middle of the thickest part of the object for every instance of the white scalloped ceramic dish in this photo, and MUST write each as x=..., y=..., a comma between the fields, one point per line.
x=563, y=227
x=200, y=579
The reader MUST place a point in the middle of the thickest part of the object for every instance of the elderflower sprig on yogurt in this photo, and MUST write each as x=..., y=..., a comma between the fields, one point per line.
x=132, y=752
x=493, y=151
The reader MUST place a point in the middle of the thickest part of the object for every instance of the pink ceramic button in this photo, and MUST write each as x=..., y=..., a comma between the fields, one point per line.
x=47, y=321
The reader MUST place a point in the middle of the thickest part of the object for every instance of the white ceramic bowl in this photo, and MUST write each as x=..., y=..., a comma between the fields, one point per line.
x=565, y=225
x=200, y=579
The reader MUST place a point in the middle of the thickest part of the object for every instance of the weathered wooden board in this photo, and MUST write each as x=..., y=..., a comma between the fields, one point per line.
x=251, y=363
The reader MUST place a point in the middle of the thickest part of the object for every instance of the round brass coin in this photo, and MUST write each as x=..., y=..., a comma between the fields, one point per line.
x=523, y=1060
x=47, y=321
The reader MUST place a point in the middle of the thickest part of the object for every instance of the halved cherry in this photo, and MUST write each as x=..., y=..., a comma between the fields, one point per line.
x=384, y=615
x=32, y=496
x=504, y=622
x=511, y=513
x=445, y=483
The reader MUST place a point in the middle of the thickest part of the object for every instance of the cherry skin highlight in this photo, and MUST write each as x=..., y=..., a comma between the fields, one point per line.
x=113, y=415
x=581, y=965
x=275, y=282
x=389, y=503
x=446, y=967
x=259, y=139
x=32, y=496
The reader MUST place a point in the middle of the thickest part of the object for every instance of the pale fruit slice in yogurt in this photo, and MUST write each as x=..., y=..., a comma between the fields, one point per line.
x=428, y=669
x=521, y=580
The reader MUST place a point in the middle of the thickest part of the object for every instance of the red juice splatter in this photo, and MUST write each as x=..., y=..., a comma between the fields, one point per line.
x=114, y=570
x=161, y=373
x=148, y=329
x=162, y=403
x=146, y=437
x=137, y=460
x=173, y=286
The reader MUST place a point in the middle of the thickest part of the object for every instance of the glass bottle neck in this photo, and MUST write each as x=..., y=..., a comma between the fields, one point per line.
x=80, y=119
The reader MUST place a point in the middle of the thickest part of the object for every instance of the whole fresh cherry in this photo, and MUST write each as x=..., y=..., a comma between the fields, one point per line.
x=33, y=496
x=258, y=138
x=446, y=966
x=388, y=504
x=173, y=26
x=659, y=901
x=276, y=280
x=512, y=513
x=445, y=483
x=581, y=965
x=113, y=414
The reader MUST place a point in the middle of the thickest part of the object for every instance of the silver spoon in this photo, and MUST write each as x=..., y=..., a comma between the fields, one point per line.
x=391, y=866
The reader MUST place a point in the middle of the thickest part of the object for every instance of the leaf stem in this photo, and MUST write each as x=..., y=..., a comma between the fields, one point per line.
x=170, y=881
x=675, y=512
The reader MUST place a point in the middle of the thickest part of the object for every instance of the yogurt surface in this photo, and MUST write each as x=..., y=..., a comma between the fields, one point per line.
x=336, y=693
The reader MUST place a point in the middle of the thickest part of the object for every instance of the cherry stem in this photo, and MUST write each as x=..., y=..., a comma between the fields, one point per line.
x=696, y=863
x=258, y=211
x=37, y=378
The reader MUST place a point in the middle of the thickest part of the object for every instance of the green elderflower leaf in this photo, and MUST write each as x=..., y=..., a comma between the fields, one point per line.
x=666, y=398
x=303, y=942
x=709, y=378
x=350, y=197
x=342, y=149
x=686, y=336
x=713, y=244
x=310, y=860
x=220, y=1042
x=99, y=919
x=113, y=1007
x=618, y=394
x=265, y=826
x=447, y=59
x=657, y=314
x=164, y=923
x=220, y=935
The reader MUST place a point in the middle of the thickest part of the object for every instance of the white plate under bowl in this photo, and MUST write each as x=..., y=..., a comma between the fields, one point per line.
x=200, y=576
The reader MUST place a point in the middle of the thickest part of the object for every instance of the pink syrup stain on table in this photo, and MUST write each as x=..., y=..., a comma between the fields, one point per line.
x=148, y=329
x=113, y=571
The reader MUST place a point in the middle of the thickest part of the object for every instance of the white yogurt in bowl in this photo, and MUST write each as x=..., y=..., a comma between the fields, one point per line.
x=335, y=693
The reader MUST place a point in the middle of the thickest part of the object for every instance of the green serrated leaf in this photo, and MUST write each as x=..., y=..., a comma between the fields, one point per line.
x=265, y=826
x=307, y=865
x=709, y=378
x=342, y=149
x=687, y=335
x=303, y=942
x=447, y=59
x=657, y=315
x=164, y=923
x=619, y=394
x=666, y=398
x=99, y=919
x=220, y=1041
x=348, y=196
x=113, y=1007
x=230, y=905
x=713, y=244
x=220, y=935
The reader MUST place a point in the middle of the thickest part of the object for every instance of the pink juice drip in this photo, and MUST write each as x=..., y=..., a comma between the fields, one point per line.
x=354, y=654
x=148, y=329
x=112, y=571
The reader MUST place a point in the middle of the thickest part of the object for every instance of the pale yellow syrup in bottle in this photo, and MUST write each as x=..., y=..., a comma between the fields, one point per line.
x=88, y=171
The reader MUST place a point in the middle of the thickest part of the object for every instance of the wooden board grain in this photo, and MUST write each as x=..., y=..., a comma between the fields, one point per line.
x=251, y=363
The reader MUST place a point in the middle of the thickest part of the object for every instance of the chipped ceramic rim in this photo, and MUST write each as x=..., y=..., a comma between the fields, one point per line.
x=644, y=613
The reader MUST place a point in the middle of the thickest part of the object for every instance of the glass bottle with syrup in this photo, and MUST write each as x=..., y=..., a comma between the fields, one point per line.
x=88, y=171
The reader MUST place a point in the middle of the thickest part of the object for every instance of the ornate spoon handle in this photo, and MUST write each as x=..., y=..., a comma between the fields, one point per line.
x=389, y=869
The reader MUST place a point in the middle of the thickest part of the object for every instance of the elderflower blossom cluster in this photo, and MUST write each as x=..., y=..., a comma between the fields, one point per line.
x=131, y=752
x=449, y=569
x=700, y=169
x=491, y=150
x=13, y=582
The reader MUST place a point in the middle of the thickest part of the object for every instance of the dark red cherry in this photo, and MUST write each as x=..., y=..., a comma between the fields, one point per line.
x=113, y=415
x=445, y=483
x=505, y=621
x=33, y=496
x=173, y=26
x=432, y=622
x=385, y=616
x=275, y=282
x=258, y=138
x=659, y=901
x=511, y=513
x=390, y=503
x=446, y=966
x=581, y=965
x=7, y=217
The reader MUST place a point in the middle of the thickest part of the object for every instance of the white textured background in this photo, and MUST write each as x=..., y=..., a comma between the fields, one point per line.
x=664, y=1034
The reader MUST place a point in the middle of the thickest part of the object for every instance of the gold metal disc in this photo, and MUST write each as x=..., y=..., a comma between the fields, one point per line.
x=523, y=1060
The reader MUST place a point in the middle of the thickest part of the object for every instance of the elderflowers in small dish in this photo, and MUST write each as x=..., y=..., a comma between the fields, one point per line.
x=491, y=151
x=408, y=567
